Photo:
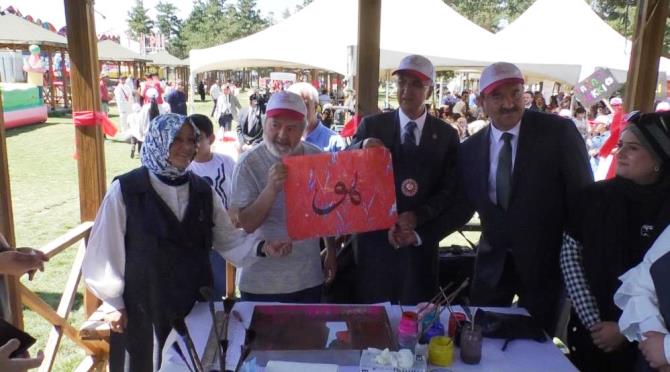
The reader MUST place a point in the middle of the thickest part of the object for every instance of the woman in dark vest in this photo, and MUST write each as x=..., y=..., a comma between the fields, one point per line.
x=148, y=252
x=614, y=224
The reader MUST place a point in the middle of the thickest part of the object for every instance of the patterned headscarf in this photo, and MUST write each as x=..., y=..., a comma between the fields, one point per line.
x=156, y=148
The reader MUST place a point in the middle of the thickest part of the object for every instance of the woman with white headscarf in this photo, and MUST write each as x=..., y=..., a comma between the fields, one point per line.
x=148, y=252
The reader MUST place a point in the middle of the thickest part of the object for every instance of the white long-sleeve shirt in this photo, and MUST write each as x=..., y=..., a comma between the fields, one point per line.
x=638, y=300
x=104, y=262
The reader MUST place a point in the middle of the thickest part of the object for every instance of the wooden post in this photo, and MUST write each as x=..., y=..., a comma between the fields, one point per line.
x=118, y=67
x=52, y=76
x=367, y=65
x=647, y=46
x=14, y=311
x=63, y=73
x=83, y=49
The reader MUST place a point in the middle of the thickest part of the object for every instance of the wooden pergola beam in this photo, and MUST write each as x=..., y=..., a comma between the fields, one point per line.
x=367, y=66
x=644, y=57
x=14, y=311
x=83, y=49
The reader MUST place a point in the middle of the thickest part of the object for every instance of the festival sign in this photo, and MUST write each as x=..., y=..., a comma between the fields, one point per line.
x=340, y=193
x=599, y=85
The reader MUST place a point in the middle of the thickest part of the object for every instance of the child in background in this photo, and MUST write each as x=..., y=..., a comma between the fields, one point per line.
x=217, y=170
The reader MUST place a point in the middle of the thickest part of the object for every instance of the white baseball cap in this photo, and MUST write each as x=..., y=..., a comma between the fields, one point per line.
x=663, y=106
x=566, y=113
x=284, y=103
x=616, y=101
x=418, y=66
x=497, y=74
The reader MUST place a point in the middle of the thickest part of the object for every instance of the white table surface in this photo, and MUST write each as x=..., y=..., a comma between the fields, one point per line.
x=520, y=355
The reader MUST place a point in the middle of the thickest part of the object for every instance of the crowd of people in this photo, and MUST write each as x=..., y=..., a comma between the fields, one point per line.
x=138, y=102
x=166, y=229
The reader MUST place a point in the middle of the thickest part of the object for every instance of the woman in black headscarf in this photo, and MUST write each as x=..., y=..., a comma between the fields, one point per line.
x=613, y=225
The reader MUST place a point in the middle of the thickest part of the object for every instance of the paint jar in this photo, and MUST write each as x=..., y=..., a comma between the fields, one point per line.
x=454, y=320
x=471, y=344
x=408, y=330
x=430, y=327
x=441, y=351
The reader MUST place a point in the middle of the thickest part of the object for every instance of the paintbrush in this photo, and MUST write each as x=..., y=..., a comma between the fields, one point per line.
x=245, y=350
x=177, y=348
x=445, y=303
x=434, y=299
x=228, y=304
x=208, y=295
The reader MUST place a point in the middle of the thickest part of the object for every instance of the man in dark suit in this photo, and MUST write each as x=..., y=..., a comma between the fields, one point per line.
x=250, y=127
x=518, y=174
x=401, y=265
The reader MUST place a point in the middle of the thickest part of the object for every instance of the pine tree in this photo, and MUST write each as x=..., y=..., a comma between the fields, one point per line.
x=245, y=19
x=167, y=21
x=138, y=21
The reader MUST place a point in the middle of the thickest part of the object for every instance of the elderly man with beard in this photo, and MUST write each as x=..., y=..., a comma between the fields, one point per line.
x=258, y=203
x=519, y=174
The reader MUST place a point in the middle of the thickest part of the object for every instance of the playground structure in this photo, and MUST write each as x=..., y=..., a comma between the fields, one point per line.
x=22, y=105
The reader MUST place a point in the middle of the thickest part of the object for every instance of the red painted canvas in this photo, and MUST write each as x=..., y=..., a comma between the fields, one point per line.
x=340, y=193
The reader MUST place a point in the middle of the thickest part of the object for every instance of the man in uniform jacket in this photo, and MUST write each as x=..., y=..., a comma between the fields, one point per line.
x=519, y=174
x=250, y=124
x=401, y=264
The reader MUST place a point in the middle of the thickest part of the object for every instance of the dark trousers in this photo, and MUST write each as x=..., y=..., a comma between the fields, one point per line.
x=120, y=360
x=305, y=296
x=213, y=107
x=226, y=121
x=500, y=294
x=218, y=275
x=544, y=307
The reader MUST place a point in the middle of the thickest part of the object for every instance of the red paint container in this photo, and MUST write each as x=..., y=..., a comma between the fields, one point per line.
x=454, y=319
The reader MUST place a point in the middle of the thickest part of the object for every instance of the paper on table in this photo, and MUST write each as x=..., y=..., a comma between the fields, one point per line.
x=277, y=366
x=236, y=332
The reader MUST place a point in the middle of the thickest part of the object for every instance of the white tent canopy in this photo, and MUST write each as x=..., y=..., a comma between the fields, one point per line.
x=565, y=41
x=304, y=40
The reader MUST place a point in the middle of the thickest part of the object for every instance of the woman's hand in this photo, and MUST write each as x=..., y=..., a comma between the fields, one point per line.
x=606, y=336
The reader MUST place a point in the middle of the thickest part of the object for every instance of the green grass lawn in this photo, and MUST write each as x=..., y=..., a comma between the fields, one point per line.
x=45, y=197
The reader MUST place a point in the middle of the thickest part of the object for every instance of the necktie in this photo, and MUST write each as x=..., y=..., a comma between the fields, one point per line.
x=408, y=138
x=504, y=172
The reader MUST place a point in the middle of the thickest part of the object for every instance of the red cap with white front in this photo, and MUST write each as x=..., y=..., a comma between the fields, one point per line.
x=498, y=74
x=418, y=66
x=286, y=104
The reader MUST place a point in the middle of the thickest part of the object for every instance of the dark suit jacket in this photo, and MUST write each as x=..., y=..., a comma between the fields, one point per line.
x=250, y=128
x=408, y=274
x=551, y=164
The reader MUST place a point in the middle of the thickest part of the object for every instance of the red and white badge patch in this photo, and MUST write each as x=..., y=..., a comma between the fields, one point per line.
x=409, y=187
